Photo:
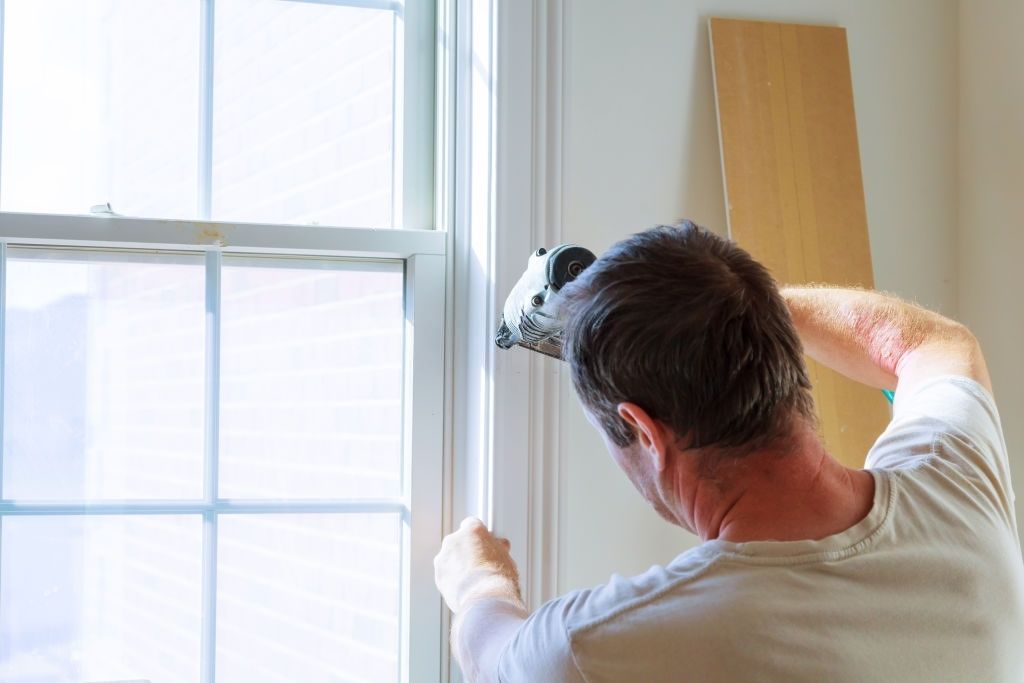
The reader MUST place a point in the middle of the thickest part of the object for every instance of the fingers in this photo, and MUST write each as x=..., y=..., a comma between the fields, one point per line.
x=474, y=525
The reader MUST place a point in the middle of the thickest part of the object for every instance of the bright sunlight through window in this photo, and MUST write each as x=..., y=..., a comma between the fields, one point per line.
x=220, y=459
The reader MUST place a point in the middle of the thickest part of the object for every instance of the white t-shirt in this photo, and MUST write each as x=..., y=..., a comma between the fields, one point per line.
x=928, y=587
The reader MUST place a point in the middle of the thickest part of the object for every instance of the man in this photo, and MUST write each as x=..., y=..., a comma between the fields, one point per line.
x=688, y=360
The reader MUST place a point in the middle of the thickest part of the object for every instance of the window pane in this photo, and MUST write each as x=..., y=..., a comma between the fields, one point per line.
x=310, y=598
x=104, y=375
x=311, y=378
x=303, y=113
x=100, y=599
x=100, y=103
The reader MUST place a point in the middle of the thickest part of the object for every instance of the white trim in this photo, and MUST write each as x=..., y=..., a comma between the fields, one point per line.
x=546, y=453
x=424, y=435
x=507, y=202
x=526, y=457
x=468, y=80
x=474, y=291
x=105, y=231
x=446, y=133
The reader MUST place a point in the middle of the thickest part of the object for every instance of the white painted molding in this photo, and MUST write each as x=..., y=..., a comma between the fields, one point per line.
x=506, y=203
x=505, y=148
x=545, y=451
x=525, y=456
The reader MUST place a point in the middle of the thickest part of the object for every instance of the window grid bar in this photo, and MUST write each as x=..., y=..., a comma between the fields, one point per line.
x=395, y=6
x=3, y=15
x=208, y=654
x=3, y=328
x=251, y=238
x=17, y=508
x=397, y=214
x=212, y=380
x=3, y=340
x=205, y=176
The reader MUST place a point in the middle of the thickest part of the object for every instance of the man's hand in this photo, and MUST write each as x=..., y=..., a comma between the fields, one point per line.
x=474, y=563
x=480, y=584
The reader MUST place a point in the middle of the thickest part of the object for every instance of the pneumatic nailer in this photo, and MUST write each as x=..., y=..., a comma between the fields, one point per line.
x=530, y=317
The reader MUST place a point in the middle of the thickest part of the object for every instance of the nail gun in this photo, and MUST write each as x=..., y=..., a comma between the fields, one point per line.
x=530, y=317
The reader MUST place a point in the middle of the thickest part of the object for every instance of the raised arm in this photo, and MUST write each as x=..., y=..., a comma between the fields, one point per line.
x=880, y=340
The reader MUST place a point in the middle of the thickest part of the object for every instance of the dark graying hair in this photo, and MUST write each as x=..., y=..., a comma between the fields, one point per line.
x=691, y=328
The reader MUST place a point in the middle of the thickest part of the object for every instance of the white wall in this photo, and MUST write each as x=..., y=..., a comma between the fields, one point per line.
x=641, y=147
x=992, y=203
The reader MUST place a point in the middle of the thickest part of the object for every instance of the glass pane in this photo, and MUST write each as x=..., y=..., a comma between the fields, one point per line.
x=103, y=376
x=100, y=104
x=311, y=378
x=100, y=599
x=303, y=113
x=310, y=598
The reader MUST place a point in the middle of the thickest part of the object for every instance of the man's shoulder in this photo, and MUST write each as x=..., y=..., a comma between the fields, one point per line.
x=947, y=434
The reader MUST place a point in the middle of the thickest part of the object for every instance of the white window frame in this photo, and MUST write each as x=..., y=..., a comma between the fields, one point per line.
x=424, y=254
x=505, y=94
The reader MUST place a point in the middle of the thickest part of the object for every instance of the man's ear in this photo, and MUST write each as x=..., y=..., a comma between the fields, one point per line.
x=652, y=435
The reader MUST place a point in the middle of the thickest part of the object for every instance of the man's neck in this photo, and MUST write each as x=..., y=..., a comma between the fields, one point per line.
x=797, y=495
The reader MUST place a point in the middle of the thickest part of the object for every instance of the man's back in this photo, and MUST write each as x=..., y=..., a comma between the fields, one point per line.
x=929, y=586
x=689, y=360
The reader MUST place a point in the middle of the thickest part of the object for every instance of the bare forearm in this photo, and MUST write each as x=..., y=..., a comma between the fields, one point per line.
x=878, y=339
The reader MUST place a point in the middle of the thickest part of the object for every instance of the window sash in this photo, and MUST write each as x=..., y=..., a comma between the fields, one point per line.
x=413, y=115
x=421, y=204
x=419, y=506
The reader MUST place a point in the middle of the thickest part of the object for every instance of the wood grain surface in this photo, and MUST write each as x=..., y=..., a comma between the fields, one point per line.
x=794, y=195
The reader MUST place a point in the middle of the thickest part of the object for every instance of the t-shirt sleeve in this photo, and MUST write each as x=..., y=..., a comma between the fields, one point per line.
x=953, y=419
x=541, y=651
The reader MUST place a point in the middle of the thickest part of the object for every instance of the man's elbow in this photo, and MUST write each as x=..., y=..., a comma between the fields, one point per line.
x=951, y=348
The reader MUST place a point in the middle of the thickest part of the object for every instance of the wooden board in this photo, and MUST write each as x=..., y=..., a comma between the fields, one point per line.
x=794, y=195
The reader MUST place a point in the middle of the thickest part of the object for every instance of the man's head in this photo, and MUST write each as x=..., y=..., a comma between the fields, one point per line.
x=686, y=326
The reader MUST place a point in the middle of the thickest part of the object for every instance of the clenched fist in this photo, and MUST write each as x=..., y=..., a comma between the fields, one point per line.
x=474, y=563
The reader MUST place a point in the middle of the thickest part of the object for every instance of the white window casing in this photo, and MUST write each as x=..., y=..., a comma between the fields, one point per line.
x=507, y=203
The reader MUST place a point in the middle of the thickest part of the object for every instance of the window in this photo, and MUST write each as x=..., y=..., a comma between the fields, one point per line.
x=271, y=111
x=221, y=442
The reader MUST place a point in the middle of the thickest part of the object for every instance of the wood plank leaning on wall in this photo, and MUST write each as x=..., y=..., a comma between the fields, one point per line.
x=793, y=188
